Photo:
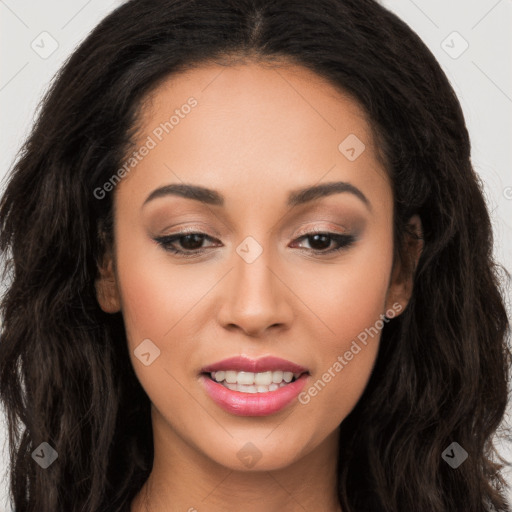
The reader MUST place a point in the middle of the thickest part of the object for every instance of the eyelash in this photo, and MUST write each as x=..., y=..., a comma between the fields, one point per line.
x=343, y=241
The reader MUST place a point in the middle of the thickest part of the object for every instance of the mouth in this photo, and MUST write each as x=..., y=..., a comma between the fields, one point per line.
x=250, y=382
x=253, y=387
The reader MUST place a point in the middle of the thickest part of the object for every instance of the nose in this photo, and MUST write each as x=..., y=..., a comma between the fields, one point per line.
x=255, y=298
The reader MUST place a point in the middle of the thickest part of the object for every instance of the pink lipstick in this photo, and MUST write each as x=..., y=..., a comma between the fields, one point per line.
x=253, y=387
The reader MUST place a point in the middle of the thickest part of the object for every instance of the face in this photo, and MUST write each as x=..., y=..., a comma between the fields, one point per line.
x=256, y=268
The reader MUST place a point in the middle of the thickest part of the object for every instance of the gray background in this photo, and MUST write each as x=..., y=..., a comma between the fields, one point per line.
x=481, y=76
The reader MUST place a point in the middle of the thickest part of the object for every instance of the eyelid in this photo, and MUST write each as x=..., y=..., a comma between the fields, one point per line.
x=204, y=230
x=309, y=230
x=303, y=231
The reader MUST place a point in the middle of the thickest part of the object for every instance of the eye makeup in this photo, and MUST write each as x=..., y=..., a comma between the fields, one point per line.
x=176, y=228
x=171, y=243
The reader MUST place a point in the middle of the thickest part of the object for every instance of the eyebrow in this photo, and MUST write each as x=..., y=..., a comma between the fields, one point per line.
x=295, y=197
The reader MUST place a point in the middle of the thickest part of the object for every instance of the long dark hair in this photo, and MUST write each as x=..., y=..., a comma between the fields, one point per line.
x=442, y=370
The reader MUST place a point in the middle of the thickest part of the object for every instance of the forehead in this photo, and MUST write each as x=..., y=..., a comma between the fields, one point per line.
x=264, y=127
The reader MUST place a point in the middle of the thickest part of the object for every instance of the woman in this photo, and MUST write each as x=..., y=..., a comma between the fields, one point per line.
x=250, y=268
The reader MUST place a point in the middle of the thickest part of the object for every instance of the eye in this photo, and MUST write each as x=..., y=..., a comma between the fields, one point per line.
x=319, y=242
x=192, y=243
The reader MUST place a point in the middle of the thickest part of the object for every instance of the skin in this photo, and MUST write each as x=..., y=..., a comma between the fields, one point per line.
x=256, y=134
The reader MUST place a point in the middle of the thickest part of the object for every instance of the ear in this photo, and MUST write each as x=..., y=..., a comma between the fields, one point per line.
x=402, y=276
x=107, y=292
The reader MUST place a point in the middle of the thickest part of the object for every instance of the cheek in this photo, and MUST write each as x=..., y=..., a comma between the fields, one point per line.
x=351, y=305
x=161, y=302
x=155, y=295
x=351, y=296
x=143, y=300
x=156, y=305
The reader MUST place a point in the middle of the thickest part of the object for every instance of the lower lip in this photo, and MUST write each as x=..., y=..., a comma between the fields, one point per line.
x=253, y=404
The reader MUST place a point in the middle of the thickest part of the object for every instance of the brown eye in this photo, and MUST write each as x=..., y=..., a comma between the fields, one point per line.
x=319, y=242
x=191, y=244
x=192, y=241
x=184, y=244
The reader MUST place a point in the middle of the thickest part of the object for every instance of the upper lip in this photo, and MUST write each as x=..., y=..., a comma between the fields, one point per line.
x=263, y=364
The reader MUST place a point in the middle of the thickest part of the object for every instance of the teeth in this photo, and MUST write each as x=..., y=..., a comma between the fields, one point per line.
x=253, y=389
x=246, y=378
x=230, y=377
x=277, y=377
x=263, y=379
x=219, y=376
x=249, y=382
